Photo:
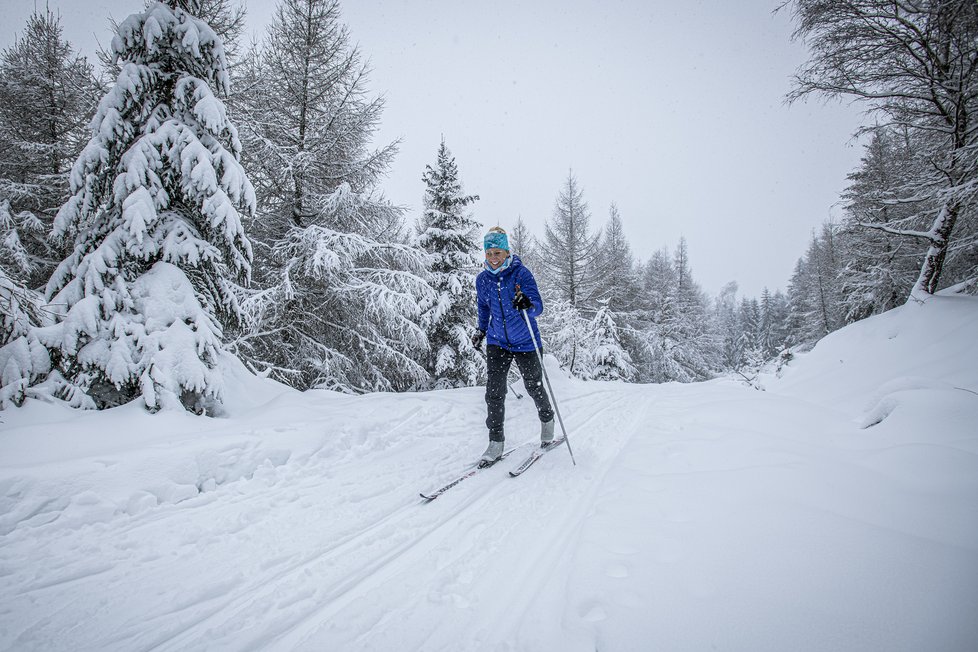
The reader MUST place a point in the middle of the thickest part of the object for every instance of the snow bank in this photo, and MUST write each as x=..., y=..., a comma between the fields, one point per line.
x=916, y=346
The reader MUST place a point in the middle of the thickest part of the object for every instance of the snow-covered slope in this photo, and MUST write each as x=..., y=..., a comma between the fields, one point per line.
x=834, y=511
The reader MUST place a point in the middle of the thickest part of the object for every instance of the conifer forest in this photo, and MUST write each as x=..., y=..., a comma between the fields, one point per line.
x=190, y=195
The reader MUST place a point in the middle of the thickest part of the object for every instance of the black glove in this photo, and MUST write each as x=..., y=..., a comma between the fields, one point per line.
x=477, y=338
x=520, y=300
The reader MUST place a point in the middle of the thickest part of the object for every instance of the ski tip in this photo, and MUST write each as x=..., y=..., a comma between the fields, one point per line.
x=427, y=499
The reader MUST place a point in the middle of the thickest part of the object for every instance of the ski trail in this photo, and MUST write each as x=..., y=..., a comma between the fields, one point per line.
x=343, y=572
x=283, y=555
x=479, y=524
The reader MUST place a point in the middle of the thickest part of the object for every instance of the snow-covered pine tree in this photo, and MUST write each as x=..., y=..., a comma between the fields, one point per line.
x=570, y=249
x=154, y=214
x=450, y=238
x=610, y=361
x=48, y=94
x=337, y=294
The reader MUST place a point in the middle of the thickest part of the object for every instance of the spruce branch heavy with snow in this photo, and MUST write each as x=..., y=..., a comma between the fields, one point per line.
x=450, y=239
x=146, y=294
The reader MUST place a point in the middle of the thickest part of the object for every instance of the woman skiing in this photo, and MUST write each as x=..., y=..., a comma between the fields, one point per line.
x=505, y=288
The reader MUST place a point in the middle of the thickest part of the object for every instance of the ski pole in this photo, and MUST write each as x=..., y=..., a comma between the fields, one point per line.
x=550, y=390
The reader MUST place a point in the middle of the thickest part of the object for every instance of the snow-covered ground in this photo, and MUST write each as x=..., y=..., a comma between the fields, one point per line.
x=837, y=510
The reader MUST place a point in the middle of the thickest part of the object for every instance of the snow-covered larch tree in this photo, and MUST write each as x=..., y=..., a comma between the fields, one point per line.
x=338, y=293
x=618, y=285
x=449, y=238
x=570, y=249
x=146, y=293
x=524, y=244
x=48, y=95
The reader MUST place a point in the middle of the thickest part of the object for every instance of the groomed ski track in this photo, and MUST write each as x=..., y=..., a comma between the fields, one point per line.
x=692, y=509
x=317, y=555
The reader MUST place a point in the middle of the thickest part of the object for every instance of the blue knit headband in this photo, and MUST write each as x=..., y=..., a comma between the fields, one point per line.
x=496, y=240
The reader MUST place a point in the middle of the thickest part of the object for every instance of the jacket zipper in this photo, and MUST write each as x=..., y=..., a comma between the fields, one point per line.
x=502, y=311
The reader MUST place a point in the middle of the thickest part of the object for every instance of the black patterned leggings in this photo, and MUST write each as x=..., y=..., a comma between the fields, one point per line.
x=498, y=361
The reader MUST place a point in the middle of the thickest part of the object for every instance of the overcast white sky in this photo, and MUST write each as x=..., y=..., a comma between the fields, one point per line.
x=672, y=110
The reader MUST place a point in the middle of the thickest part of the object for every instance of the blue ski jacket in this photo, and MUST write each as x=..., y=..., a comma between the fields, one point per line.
x=503, y=324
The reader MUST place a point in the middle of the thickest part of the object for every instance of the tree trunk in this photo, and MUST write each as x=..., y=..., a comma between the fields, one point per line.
x=930, y=271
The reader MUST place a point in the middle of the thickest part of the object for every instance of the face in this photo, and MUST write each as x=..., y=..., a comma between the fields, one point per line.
x=496, y=257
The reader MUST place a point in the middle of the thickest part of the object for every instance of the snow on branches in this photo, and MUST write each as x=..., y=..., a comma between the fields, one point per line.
x=154, y=215
x=448, y=234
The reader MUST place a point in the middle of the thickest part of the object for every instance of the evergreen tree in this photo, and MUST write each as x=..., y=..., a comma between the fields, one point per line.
x=773, y=308
x=679, y=344
x=610, y=361
x=24, y=360
x=798, y=324
x=48, y=95
x=154, y=213
x=657, y=308
x=339, y=295
x=823, y=264
x=776, y=319
x=751, y=335
x=450, y=239
x=697, y=347
x=880, y=267
x=569, y=338
x=225, y=17
x=570, y=250
x=728, y=327
x=659, y=288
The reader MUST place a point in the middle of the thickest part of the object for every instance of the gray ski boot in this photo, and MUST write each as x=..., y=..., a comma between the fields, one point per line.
x=546, y=432
x=493, y=453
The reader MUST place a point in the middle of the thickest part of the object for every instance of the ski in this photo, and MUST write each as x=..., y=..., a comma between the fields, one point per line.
x=535, y=455
x=480, y=466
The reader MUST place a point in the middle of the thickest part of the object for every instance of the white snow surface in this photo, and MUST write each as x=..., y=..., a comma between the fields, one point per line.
x=837, y=510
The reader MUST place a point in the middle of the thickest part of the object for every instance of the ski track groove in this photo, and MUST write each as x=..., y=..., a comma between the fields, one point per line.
x=356, y=587
x=566, y=534
x=303, y=477
x=258, y=591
